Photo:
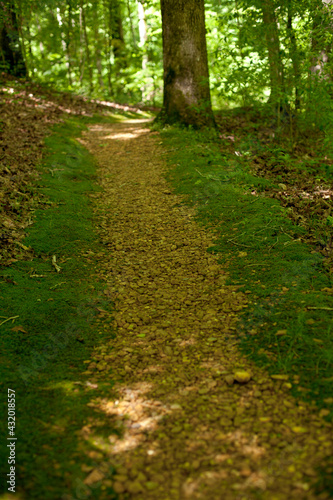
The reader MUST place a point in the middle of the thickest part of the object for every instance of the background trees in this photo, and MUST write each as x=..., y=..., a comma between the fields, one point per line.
x=259, y=51
x=10, y=44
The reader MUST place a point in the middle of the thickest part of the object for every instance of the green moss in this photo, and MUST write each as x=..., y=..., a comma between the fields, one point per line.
x=55, y=328
x=266, y=257
x=287, y=326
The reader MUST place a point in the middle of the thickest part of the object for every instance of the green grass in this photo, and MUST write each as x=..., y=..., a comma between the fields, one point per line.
x=265, y=257
x=56, y=313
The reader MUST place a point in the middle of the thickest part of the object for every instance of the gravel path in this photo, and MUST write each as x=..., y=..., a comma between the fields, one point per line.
x=199, y=421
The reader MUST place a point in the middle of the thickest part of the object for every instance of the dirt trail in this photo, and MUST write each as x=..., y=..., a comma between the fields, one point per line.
x=190, y=429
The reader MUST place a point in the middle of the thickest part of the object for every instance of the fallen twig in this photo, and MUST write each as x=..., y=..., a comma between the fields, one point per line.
x=238, y=244
x=55, y=265
x=322, y=308
x=210, y=177
x=249, y=265
x=58, y=284
x=8, y=319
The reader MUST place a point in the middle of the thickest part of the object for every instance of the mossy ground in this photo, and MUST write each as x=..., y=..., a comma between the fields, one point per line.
x=55, y=327
x=287, y=327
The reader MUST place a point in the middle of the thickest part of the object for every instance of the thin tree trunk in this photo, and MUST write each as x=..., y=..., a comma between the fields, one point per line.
x=81, y=50
x=87, y=48
x=68, y=41
x=108, y=44
x=98, y=47
x=241, y=53
x=143, y=32
x=186, y=79
x=143, y=39
x=64, y=44
x=131, y=23
x=294, y=55
x=21, y=35
x=31, y=55
x=274, y=57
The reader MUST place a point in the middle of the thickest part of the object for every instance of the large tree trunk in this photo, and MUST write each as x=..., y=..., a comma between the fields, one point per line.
x=186, y=79
x=10, y=46
x=274, y=57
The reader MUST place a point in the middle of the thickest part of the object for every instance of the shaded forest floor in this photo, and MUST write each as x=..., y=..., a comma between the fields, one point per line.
x=192, y=359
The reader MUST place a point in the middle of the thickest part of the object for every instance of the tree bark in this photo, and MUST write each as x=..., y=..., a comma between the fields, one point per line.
x=186, y=78
x=274, y=57
x=87, y=47
x=143, y=40
x=294, y=56
x=131, y=23
x=69, y=36
x=65, y=39
x=116, y=28
x=10, y=44
x=143, y=32
x=97, y=46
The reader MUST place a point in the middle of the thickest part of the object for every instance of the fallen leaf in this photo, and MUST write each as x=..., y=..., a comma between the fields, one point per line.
x=18, y=328
x=94, y=476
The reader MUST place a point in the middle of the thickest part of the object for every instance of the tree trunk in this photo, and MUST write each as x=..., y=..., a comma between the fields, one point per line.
x=69, y=36
x=19, y=18
x=97, y=45
x=108, y=36
x=81, y=51
x=116, y=28
x=87, y=47
x=131, y=23
x=143, y=40
x=186, y=79
x=31, y=55
x=274, y=57
x=294, y=56
x=41, y=45
x=65, y=40
x=322, y=22
x=10, y=44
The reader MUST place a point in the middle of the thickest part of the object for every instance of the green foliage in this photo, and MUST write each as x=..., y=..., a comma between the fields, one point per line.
x=96, y=48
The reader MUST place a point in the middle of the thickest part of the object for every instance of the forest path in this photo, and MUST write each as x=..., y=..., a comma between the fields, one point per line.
x=194, y=425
